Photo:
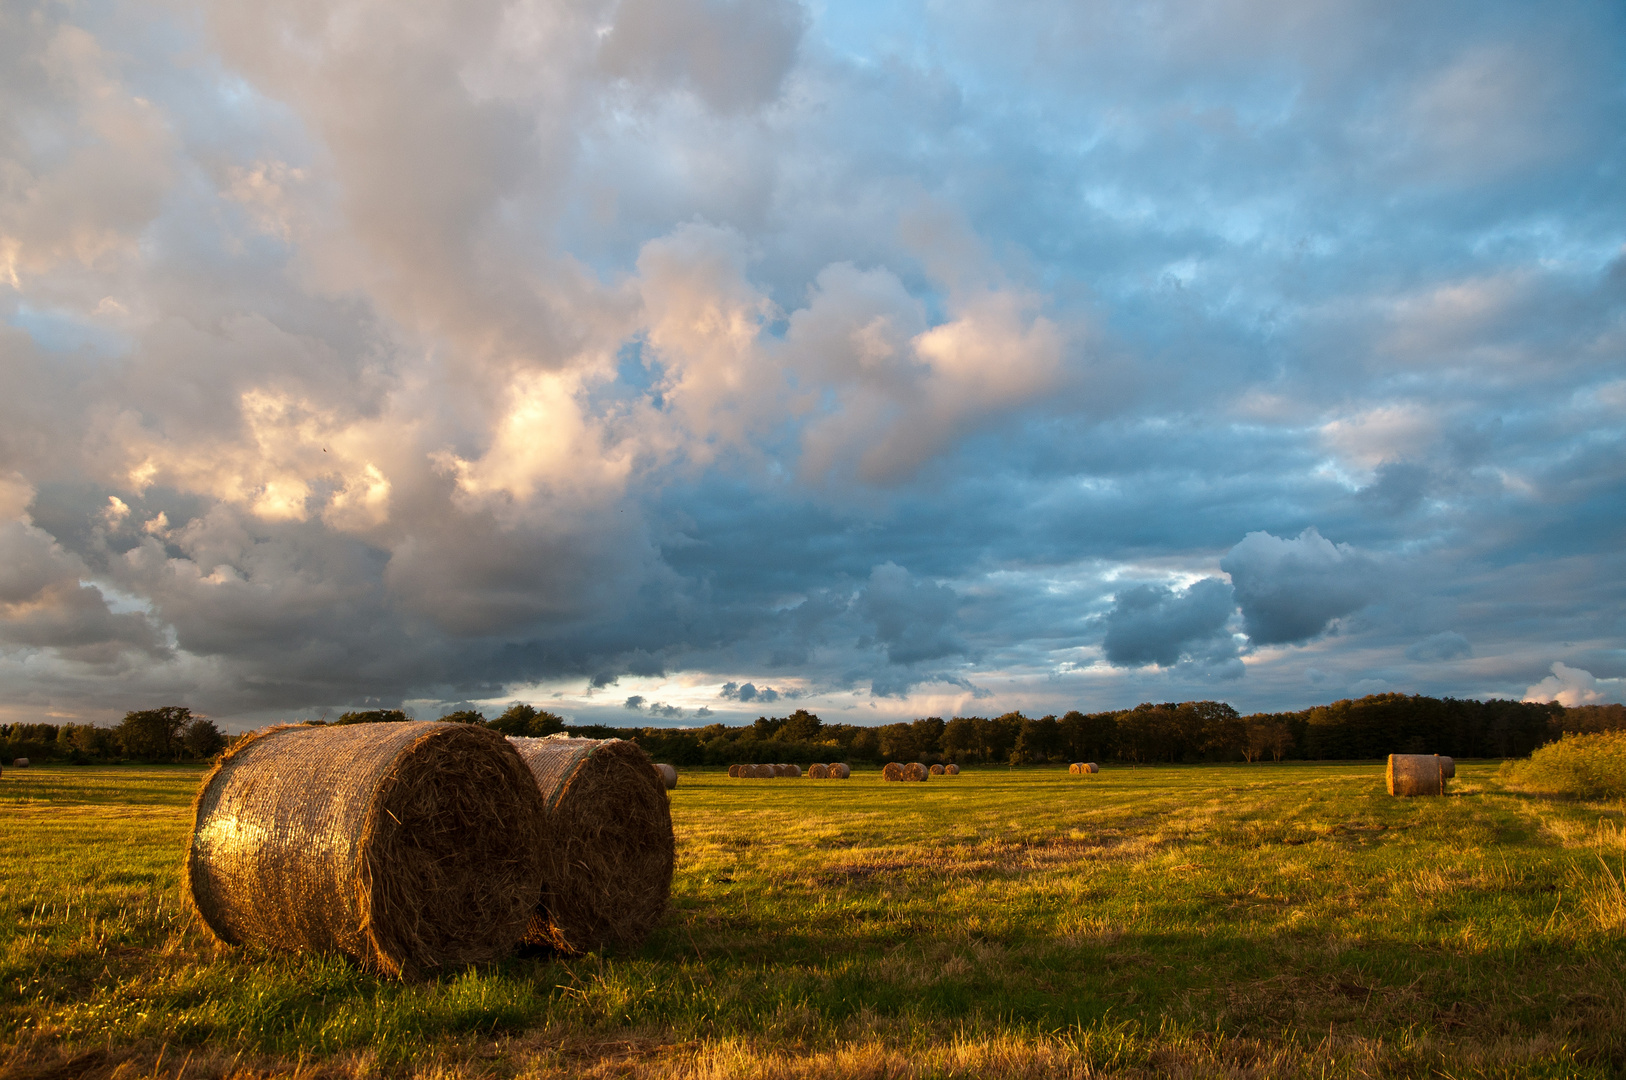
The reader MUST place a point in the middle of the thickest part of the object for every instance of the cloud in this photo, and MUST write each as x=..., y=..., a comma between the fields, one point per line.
x=1153, y=624
x=734, y=55
x=1291, y=590
x=913, y=619
x=1574, y=686
x=1446, y=645
x=743, y=692
x=634, y=703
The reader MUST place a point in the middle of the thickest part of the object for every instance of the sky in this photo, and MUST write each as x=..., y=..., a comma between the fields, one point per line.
x=684, y=361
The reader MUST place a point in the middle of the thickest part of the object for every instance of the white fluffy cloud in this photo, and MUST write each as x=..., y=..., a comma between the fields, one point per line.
x=1575, y=686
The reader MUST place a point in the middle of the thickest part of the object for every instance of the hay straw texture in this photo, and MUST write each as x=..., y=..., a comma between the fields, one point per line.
x=1075, y=768
x=734, y=771
x=668, y=776
x=951, y=770
x=409, y=847
x=839, y=771
x=1448, y=768
x=937, y=770
x=1415, y=774
x=818, y=772
x=607, y=848
x=915, y=771
x=892, y=771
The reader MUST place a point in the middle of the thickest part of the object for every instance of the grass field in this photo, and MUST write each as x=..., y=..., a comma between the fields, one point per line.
x=1208, y=920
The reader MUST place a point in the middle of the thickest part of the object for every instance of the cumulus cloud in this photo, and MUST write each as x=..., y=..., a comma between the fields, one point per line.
x=744, y=692
x=1575, y=686
x=1291, y=590
x=1155, y=624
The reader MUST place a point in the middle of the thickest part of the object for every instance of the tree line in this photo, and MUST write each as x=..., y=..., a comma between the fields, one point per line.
x=1150, y=733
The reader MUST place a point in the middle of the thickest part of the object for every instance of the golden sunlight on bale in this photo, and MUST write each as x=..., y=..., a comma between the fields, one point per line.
x=951, y=770
x=1415, y=774
x=937, y=770
x=1075, y=768
x=915, y=771
x=839, y=771
x=409, y=846
x=818, y=772
x=607, y=848
x=668, y=776
x=1448, y=768
x=892, y=771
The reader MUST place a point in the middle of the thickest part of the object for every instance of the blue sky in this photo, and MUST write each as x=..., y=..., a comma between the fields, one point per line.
x=669, y=361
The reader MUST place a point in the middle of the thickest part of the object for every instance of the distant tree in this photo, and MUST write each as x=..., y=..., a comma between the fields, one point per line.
x=154, y=734
x=766, y=728
x=529, y=721
x=202, y=739
x=464, y=716
x=374, y=716
x=800, y=726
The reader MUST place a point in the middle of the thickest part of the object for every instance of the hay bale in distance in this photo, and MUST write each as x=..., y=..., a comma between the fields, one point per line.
x=1075, y=768
x=19, y=763
x=951, y=769
x=936, y=770
x=793, y=771
x=668, y=776
x=1415, y=774
x=839, y=771
x=892, y=771
x=607, y=847
x=818, y=771
x=1091, y=767
x=1448, y=767
x=764, y=772
x=408, y=846
x=734, y=771
x=915, y=772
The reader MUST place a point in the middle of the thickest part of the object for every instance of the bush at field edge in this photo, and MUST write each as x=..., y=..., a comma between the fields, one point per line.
x=1591, y=766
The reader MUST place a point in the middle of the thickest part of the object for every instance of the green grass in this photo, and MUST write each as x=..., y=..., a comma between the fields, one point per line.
x=1591, y=766
x=1207, y=920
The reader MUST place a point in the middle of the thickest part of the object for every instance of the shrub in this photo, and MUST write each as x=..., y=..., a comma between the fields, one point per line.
x=1591, y=766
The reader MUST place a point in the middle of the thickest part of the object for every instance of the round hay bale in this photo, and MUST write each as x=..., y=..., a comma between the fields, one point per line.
x=1075, y=768
x=734, y=771
x=839, y=771
x=937, y=770
x=1091, y=767
x=818, y=772
x=1448, y=767
x=764, y=772
x=409, y=846
x=795, y=771
x=892, y=771
x=1415, y=774
x=607, y=848
x=19, y=763
x=668, y=776
x=915, y=772
x=951, y=770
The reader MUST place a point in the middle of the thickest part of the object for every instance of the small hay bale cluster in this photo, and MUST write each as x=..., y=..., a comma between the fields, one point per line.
x=936, y=770
x=763, y=772
x=1419, y=774
x=833, y=771
x=1083, y=768
x=914, y=772
x=414, y=847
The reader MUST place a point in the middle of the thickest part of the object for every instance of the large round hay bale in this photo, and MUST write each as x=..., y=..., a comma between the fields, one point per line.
x=410, y=846
x=818, y=771
x=839, y=771
x=668, y=776
x=607, y=848
x=936, y=770
x=1415, y=774
x=951, y=770
x=892, y=771
x=1448, y=767
x=734, y=771
x=915, y=771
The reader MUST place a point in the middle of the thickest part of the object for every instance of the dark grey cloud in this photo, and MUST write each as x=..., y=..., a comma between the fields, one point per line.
x=1291, y=590
x=1152, y=624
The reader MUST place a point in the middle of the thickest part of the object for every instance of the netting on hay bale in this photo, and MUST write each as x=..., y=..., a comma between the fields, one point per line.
x=892, y=771
x=1448, y=767
x=951, y=770
x=1415, y=774
x=607, y=847
x=839, y=771
x=409, y=846
x=668, y=776
x=937, y=770
x=818, y=772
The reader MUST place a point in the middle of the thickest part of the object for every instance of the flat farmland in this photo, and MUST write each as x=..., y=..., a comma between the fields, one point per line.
x=1220, y=920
